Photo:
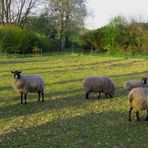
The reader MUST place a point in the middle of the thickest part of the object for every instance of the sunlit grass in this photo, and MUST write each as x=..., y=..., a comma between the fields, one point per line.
x=66, y=119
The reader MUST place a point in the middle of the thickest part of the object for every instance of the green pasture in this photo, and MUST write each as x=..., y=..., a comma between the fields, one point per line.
x=66, y=119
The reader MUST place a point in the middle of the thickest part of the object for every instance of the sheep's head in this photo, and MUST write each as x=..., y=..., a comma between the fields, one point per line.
x=16, y=74
x=144, y=80
x=111, y=94
x=112, y=90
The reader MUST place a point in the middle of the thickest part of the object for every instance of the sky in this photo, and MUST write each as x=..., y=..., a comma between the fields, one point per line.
x=101, y=11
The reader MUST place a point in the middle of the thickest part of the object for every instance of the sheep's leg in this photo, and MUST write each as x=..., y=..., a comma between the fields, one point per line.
x=21, y=98
x=42, y=96
x=106, y=95
x=38, y=95
x=87, y=95
x=129, y=114
x=25, y=96
x=137, y=115
x=147, y=116
x=99, y=95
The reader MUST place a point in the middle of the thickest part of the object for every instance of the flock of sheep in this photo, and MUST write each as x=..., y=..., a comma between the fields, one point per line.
x=137, y=98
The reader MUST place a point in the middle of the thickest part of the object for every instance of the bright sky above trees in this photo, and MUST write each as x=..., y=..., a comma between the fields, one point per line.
x=101, y=11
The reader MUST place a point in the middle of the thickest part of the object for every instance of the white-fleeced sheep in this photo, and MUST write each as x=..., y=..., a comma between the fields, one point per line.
x=138, y=100
x=98, y=84
x=28, y=84
x=129, y=85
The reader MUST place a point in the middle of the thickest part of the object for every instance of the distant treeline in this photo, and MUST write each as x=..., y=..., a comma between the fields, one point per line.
x=29, y=26
x=60, y=24
x=38, y=35
x=118, y=36
x=14, y=39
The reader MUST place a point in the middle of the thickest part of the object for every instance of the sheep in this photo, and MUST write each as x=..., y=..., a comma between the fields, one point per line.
x=138, y=100
x=98, y=84
x=129, y=85
x=28, y=84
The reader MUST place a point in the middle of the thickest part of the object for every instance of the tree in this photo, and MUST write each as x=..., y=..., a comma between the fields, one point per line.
x=41, y=24
x=67, y=14
x=17, y=11
x=118, y=20
x=131, y=38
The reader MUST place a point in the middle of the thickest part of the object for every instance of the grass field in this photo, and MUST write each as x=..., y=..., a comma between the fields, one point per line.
x=66, y=119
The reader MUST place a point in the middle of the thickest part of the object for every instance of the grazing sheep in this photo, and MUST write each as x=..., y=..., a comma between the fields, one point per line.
x=98, y=84
x=138, y=100
x=129, y=85
x=28, y=83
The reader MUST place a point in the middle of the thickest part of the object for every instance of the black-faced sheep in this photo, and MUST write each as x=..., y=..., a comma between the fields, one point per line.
x=98, y=84
x=28, y=84
x=138, y=100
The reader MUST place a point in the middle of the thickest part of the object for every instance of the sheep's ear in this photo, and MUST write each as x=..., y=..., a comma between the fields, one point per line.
x=20, y=71
x=12, y=71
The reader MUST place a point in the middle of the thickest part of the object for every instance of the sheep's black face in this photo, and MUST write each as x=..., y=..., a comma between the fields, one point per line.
x=144, y=80
x=16, y=74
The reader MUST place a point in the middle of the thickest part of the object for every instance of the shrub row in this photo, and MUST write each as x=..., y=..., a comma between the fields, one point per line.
x=14, y=39
x=116, y=37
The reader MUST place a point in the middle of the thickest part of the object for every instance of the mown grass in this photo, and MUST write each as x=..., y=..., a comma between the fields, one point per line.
x=66, y=119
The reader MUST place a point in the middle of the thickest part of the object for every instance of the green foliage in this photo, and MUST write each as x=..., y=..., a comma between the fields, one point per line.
x=145, y=41
x=118, y=20
x=43, y=42
x=54, y=45
x=66, y=119
x=17, y=40
x=99, y=40
x=40, y=24
x=108, y=38
x=116, y=37
x=131, y=38
x=90, y=40
x=66, y=15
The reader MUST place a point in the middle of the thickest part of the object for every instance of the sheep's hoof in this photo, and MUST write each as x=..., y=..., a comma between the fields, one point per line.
x=146, y=119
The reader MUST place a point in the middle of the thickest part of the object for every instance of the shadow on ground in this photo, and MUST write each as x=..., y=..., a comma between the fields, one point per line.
x=106, y=129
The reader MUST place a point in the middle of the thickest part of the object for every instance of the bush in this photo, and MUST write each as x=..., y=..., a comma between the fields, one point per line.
x=90, y=41
x=131, y=38
x=116, y=37
x=43, y=42
x=54, y=45
x=17, y=40
x=48, y=44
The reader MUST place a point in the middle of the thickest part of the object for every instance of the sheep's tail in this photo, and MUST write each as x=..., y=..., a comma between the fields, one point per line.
x=130, y=100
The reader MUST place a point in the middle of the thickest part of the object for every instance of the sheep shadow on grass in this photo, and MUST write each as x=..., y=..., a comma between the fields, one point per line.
x=5, y=88
x=22, y=61
x=53, y=100
x=104, y=129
